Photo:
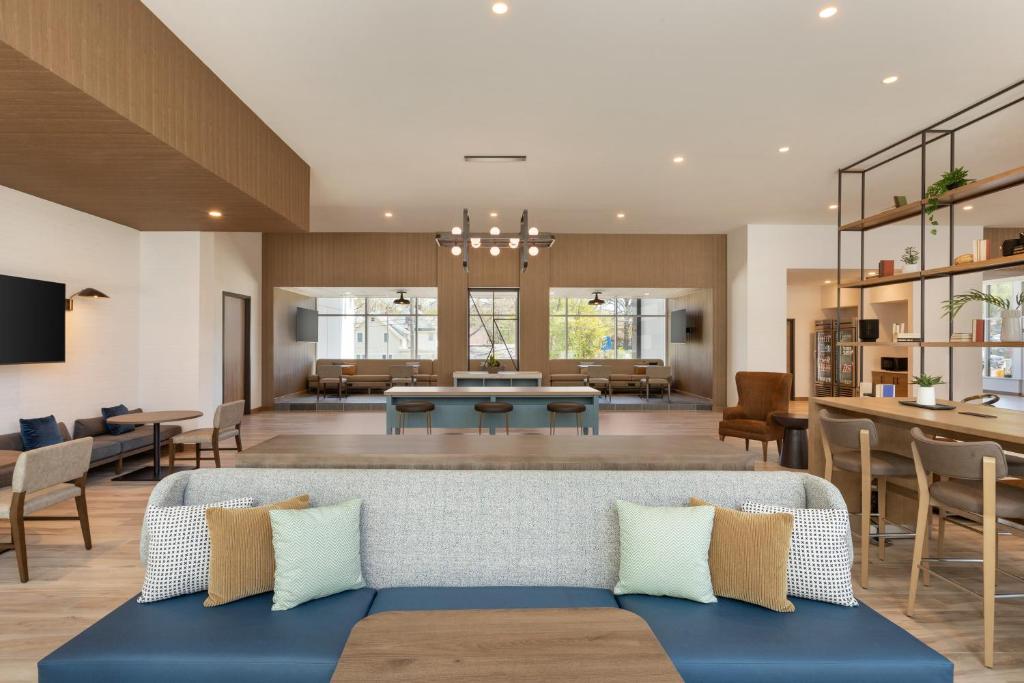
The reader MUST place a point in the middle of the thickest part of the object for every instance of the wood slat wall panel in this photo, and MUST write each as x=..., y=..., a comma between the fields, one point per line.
x=115, y=63
x=534, y=318
x=294, y=360
x=637, y=260
x=693, y=362
x=452, y=320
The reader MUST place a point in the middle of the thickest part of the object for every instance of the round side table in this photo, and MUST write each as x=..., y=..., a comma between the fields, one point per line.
x=794, y=440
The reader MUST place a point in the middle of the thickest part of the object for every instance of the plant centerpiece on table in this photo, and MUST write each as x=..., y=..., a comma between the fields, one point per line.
x=949, y=180
x=492, y=364
x=1009, y=311
x=911, y=258
x=926, y=388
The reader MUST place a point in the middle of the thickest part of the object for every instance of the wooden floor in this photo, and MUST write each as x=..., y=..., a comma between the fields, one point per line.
x=71, y=588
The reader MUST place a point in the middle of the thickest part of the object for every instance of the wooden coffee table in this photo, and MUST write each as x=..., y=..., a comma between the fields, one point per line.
x=586, y=644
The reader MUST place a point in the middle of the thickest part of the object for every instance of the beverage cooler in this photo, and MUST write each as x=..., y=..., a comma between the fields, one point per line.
x=835, y=366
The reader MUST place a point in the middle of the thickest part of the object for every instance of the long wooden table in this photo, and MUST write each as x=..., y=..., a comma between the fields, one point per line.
x=453, y=406
x=586, y=644
x=519, y=452
x=894, y=422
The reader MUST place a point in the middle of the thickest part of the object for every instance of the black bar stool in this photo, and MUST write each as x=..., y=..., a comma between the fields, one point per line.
x=555, y=409
x=413, y=407
x=491, y=408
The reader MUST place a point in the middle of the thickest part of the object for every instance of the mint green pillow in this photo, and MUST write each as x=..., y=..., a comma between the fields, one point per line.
x=316, y=553
x=664, y=551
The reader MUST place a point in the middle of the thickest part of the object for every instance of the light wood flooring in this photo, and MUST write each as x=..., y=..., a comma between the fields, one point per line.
x=70, y=588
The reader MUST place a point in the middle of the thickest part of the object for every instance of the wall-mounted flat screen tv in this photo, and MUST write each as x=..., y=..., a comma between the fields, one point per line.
x=307, y=325
x=678, y=327
x=31, y=321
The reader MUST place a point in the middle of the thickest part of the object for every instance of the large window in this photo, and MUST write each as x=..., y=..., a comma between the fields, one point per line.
x=494, y=324
x=1000, y=361
x=618, y=328
x=374, y=327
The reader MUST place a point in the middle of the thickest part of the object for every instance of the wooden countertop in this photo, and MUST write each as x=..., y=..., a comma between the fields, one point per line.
x=1006, y=427
x=585, y=644
x=525, y=392
x=520, y=452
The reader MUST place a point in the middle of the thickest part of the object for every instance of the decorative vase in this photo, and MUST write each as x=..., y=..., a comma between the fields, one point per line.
x=1011, y=331
x=911, y=267
x=926, y=396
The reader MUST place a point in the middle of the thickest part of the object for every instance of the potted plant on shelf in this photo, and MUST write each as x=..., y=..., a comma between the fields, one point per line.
x=492, y=364
x=1010, y=312
x=911, y=259
x=926, y=388
x=949, y=180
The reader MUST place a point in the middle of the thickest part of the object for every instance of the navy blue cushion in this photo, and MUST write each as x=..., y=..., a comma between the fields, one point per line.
x=736, y=641
x=180, y=640
x=37, y=432
x=488, y=597
x=113, y=412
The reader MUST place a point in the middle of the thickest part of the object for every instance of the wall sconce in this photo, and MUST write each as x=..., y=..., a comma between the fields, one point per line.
x=88, y=293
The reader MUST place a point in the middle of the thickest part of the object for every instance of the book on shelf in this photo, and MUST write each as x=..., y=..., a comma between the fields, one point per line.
x=979, y=330
x=982, y=250
x=962, y=337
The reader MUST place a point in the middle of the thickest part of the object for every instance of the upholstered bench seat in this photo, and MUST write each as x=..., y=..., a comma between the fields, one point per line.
x=736, y=641
x=180, y=640
x=489, y=597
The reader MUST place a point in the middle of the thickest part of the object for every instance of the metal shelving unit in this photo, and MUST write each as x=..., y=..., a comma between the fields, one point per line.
x=919, y=142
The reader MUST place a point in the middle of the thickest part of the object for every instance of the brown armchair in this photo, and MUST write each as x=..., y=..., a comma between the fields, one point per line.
x=761, y=394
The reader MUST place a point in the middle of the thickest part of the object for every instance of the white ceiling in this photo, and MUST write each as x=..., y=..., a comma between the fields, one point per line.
x=384, y=97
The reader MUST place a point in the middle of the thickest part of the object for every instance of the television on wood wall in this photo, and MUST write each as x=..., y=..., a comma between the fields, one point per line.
x=31, y=321
x=307, y=325
x=679, y=327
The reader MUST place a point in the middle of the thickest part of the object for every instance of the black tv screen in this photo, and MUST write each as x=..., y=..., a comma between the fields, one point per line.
x=678, y=327
x=31, y=321
x=307, y=325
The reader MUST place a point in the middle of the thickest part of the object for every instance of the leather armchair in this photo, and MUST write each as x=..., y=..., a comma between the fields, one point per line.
x=761, y=395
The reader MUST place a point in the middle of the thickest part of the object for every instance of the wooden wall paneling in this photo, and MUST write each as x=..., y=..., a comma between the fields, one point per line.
x=338, y=259
x=637, y=260
x=534, y=318
x=452, y=319
x=693, y=362
x=103, y=95
x=720, y=322
x=492, y=271
x=293, y=359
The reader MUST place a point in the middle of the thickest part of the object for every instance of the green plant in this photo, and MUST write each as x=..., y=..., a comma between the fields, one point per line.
x=492, y=362
x=949, y=180
x=910, y=256
x=925, y=380
x=950, y=307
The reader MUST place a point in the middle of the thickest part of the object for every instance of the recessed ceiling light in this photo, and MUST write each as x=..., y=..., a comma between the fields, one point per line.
x=678, y=160
x=833, y=207
x=647, y=293
x=214, y=213
x=620, y=215
x=828, y=282
x=499, y=7
x=494, y=214
x=889, y=80
x=968, y=207
x=828, y=12
x=388, y=214
x=783, y=149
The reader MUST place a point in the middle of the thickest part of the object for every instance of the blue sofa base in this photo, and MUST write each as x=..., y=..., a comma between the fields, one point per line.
x=180, y=640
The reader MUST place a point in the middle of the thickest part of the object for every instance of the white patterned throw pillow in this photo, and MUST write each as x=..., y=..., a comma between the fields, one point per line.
x=820, y=555
x=178, y=558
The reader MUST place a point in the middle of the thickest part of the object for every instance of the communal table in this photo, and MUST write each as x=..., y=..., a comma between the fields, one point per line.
x=583, y=644
x=453, y=406
x=504, y=378
x=155, y=418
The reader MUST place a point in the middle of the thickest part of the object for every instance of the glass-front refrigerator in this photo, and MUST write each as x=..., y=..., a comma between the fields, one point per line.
x=835, y=365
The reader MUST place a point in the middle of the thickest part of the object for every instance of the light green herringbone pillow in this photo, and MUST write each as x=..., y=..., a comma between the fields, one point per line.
x=664, y=551
x=316, y=553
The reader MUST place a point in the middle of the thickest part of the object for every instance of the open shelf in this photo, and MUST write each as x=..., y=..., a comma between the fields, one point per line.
x=933, y=273
x=878, y=343
x=979, y=188
x=939, y=344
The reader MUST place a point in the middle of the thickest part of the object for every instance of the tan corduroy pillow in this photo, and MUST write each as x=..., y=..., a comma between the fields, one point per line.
x=748, y=557
x=242, y=551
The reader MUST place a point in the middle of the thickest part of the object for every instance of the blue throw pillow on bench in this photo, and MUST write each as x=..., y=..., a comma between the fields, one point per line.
x=112, y=412
x=37, y=432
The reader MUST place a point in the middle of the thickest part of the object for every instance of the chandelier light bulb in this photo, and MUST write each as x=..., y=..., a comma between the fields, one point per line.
x=534, y=250
x=495, y=230
x=456, y=230
x=534, y=231
x=474, y=242
x=456, y=250
x=495, y=251
x=513, y=242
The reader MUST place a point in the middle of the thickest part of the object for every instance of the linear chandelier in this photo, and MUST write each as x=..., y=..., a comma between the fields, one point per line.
x=461, y=242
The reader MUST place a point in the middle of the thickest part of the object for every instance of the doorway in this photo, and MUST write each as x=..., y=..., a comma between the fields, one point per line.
x=235, y=351
x=791, y=355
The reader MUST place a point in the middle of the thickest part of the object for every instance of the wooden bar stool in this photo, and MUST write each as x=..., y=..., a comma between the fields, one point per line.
x=968, y=483
x=555, y=409
x=491, y=408
x=850, y=445
x=413, y=408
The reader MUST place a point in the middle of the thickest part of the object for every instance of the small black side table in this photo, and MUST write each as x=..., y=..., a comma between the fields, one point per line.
x=794, y=440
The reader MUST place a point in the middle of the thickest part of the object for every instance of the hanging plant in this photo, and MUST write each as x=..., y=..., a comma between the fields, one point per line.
x=949, y=180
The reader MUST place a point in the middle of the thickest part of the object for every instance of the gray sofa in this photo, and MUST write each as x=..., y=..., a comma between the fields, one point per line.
x=106, y=447
x=489, y=539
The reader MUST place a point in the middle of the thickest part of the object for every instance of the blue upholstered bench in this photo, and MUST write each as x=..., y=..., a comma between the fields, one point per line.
x=736, y=641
